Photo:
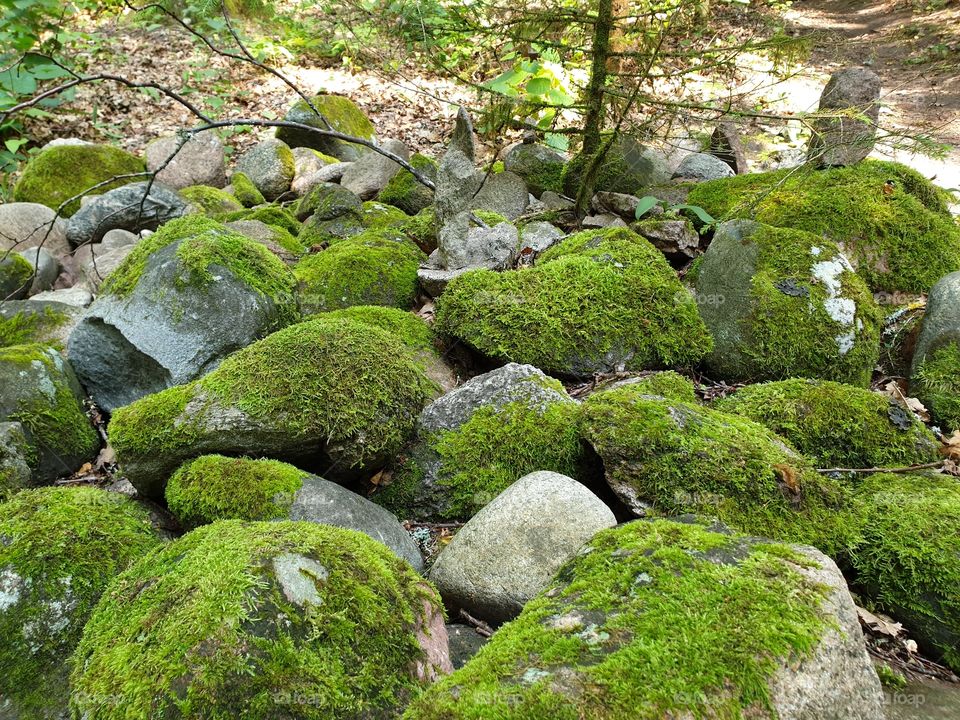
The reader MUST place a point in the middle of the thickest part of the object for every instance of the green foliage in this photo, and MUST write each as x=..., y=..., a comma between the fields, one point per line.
x=642, y=617
x=908, y=563
x=219, y=628
x=937, y=384
x=837, y=425
x=61, y=547
x=405, y=191
x=648, y=202
x=904, y=239
x=596, y=292
x=214, y=487
x=676, y=458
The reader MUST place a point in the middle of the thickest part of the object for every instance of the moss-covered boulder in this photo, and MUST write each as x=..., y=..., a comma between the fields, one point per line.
x=336, y=113
x=215, y=487
x=59, y=548
x=666, y=384
x=16, y=276
x=63, y=172
x=335, y=395
x=327, y=201
x=380, y=216
x=540, y=167
x=406, y=192
x=599, y=301
x=935, y=366
x=626, y=167
x=475, y=441
x=661, y=619
x=39, y=390
x=16, y=456
x=668, y=457
x=837, y=425
x=182, y=300
x=37, y=321
x=245, y=191
x=782, y=303
x=262, y=620
x=211, y=201
x=367, y=269
x=891, y=222
x=270, y=166
x=908, y=562
x=413, y=332
x=269, y=214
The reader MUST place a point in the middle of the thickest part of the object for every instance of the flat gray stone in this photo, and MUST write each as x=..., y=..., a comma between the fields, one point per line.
x=127, y=208
x=510, y=550
x=200, y=161
x=26, y=225
x=371, y=173
x=702, y=167
x=325, y=502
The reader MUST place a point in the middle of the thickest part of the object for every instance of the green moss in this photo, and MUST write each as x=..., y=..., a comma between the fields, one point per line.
x=890, y=679
x=540, y=168
x=764, y=297
x=205, y=627
x=341, y=114
x=318, y=233
x=405, y=191
x=56, y=422
x=29, y=327
x=595, y=295
x=60, y=173
x=245, y=191
x=328, y=201
x=667, y=384
x=363, y=270
x=837, y=425
x=213, y=201
x=339, y=383
x=203, y=243
x=16, y=274
x=377, y=215
x=937, y=384
x=901, y=240
x=638, y=627
x=267, y=214
x=60, y=548
x=214, y=487
x=409, y=328
x=625, y=168
x=672, y=458
x=908, y=563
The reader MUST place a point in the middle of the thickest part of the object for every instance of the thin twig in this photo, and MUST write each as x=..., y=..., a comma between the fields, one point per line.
x=910, y=468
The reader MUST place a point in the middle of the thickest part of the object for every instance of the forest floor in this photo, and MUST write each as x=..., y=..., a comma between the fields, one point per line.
x=914, y=45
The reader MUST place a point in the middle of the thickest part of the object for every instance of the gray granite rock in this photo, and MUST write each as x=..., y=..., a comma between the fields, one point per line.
x=199, y=161
x=510, y=550
x=15, y=453
x=726, y=145
x=270, y=166
x=116, y=239
x=322, y=501
x=371, y=173
x=504, y=193
x=129, y=207
x=78, y=297
x=537, y=237
x=45, y=266
x=846, y=140
x=51, y=321
x=26, y=225
x=539, y=166
x=303, y=184
x=164, y=332
x=493, y=248
x=457, y=183
x=702, y=167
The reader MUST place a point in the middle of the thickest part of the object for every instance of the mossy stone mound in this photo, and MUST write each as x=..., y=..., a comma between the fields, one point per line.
x=340, y=114
x=935, y=365
x=245, y=191
x=908, y=562
x=666, y=384
x=16, y=276
x=837, y=425
x=891, y=222
x=335, y=394
x=782, y=303
x=664, y=619
x=211, y=201
x=540, y=167
x=381, y=216
x=262, y=621
x=599, y=301
x=39, y=390
x=474, y=442
x=269, y=214
x=405, y=191
x=367, y=269
x=328, y=201
x=60, y=173
x=667, y=457
x=37, y=321
x=626, y=167
x=59, y=549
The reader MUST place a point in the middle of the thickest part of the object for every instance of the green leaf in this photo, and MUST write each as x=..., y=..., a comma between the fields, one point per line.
x=557, y=141
x=704, y=216
x=538, y=86
x=644, y=206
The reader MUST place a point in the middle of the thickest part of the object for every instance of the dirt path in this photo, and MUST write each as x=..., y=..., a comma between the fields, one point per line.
x=914, y=46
